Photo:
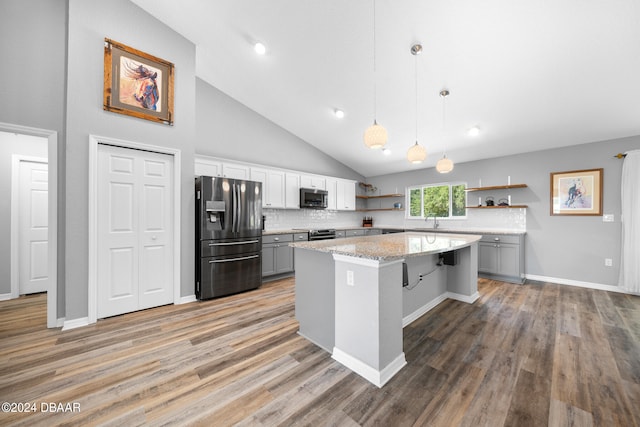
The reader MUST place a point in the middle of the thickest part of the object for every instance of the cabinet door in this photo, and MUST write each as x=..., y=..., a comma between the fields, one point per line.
x=275, y=189
x=260, y=175
x=292, y=191
x=284, y=258
x=205, y=167
x=332, y=197
x=235, y=171
x=346, y=194
x=508, y=260
x=313, y=181
x=268, y=260
x=487, y=258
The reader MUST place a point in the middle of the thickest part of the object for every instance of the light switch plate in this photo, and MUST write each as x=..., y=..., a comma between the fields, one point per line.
x=607, y=218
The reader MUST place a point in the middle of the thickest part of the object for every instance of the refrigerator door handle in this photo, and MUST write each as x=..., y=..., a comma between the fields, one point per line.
x=235, y=209
x=246, y=242
x=216, y=261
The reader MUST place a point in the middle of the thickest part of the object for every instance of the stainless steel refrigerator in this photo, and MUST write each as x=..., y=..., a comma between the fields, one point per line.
x=228, y=236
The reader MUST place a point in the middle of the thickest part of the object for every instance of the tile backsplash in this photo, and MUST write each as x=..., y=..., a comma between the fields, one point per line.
x=278, y=219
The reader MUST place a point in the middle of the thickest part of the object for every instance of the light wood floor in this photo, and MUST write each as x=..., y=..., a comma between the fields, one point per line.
x=538, y=354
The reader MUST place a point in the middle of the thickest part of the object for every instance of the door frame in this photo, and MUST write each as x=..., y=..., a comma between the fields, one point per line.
x=15, y=216
x=52, y=159
x=94, y=142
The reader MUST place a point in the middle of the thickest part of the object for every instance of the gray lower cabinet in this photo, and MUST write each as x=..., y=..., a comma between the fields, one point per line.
x=277, y=255
x=372, y=231
x=355, y=232
x=501, y=256
x=341, y=233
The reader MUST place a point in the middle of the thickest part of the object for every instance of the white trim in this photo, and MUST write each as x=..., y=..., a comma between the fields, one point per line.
x=412, y=317
x=5, y=297
x=52, y=157
x=75, y=323
x=187, y=299
x=94, y=141
x=558, y=281
x=15, y=216
x=469, y=299
x=407, y=320
x=374, y=376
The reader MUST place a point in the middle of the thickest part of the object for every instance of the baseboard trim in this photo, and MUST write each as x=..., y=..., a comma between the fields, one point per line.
x=75, y=323
x=187, y=299
x=374, y=376
x=589, y=285
x=407, y=320
x=5, y=297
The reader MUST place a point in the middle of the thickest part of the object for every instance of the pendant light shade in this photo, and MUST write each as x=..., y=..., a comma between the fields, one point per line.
x=444, y=165
x=375, y=136
x=416, y=153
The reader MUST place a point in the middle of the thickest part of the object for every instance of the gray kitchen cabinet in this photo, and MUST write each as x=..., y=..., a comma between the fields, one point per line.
x=501, y=256
x=277, y=255
x=355, y=232
x=372, y=231
x=341, y=233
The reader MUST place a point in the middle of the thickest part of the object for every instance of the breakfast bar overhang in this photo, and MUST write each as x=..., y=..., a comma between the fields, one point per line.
x=354, y=295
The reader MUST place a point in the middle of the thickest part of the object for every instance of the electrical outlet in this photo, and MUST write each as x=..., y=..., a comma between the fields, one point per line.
x=607, y=218
x=608, y=262
x=350, y=278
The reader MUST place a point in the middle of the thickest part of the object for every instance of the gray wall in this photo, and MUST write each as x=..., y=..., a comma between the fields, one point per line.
x=228, y=129
x=12, y=144
x=32, y=82
x=563, y=247
x=90, y=21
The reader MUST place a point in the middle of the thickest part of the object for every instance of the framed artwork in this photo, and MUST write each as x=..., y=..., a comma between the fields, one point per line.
x=137, y=84
x=576, y=192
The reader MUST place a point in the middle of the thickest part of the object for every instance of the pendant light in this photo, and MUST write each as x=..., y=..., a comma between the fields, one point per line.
x=416, y=153
x=444, y=165
x=375, y=137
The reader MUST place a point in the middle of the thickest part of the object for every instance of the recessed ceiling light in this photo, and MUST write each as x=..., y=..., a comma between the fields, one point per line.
x=474, y=131
x=260, y=48
x=339, y=113
x=386, y=151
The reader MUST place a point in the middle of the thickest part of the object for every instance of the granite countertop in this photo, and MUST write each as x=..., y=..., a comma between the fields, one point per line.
x=387, y=247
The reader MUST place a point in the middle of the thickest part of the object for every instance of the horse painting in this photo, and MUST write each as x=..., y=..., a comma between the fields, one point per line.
x=138, y=85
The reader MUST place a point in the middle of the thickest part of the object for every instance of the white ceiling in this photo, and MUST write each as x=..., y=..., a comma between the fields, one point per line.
x=532, y=74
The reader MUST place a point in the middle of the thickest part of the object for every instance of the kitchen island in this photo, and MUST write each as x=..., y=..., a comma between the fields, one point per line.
x=354, y=295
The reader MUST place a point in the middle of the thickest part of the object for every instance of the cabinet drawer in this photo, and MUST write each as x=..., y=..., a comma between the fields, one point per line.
x=340, y=233
x=277, y=238
x=500, y=238
x=351, y=233
x=301, y=237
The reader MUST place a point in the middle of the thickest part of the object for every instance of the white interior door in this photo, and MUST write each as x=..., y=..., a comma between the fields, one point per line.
x=134, y=230
x=33, y=227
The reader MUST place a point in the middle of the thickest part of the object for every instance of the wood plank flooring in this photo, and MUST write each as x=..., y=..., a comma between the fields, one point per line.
x=533, y=355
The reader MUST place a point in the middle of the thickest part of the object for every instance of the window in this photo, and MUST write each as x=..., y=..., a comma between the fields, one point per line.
x=441, y=200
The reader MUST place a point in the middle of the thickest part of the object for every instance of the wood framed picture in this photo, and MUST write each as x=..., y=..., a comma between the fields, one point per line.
x=576, y=192
x=137, y=84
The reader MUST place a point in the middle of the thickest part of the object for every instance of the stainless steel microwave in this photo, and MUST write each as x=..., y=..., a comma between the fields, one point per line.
x=313, y=198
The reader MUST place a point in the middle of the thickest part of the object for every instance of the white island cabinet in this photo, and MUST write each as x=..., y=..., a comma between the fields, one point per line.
x=357, y=307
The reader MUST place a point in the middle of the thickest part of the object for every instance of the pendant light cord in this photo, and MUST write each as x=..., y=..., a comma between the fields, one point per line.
x=416, y=78
x=444, y=103
x=375, y=80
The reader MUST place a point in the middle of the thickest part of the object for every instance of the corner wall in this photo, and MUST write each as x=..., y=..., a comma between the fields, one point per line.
x=572, y=248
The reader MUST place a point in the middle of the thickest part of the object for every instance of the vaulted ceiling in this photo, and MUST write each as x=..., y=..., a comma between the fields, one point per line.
x=529, y=74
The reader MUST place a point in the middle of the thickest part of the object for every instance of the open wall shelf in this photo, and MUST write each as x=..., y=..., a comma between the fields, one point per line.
x=497, y=187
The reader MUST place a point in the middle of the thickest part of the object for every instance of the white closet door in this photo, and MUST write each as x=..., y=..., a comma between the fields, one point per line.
x=135, y=248
x=33, y=227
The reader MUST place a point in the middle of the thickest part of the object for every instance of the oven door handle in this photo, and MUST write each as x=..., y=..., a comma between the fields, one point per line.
x=232, y=259
x=246, y=242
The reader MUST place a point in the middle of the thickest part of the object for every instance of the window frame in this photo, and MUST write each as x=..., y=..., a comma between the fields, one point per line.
x=421, y=187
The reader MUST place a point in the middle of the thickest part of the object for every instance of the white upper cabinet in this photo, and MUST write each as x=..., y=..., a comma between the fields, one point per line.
x=206, y=167
x=332, y=196
x=313, y=181
x=235, y=171
x=346, y=195
x=273, y=186
x=292, y=191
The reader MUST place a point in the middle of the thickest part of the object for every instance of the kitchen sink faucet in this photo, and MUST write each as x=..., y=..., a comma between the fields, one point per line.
x=436, y=224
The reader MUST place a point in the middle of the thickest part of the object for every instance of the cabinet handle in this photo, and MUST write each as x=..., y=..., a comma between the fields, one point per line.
x=276, y=239
x=497, y=239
